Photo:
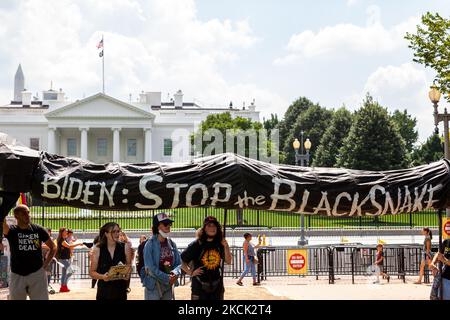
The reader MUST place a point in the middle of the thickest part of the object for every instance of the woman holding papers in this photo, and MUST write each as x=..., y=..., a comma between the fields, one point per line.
x=110, y=254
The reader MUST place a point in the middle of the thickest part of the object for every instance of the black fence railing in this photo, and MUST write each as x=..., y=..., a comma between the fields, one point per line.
x=322, y=261
x=55, y=217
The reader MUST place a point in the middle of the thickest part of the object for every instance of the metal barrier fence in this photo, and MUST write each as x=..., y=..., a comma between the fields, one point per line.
x=55, y=217
x=324, y=261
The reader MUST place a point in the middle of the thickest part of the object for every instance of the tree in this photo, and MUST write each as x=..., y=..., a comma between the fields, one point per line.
x=373, y=142
x=406, y=126
x=431, y=45
x=271, y=123
x=290, y=117
x=313, y=122
x=430, y=151
x=224, y=122
x=332, y=140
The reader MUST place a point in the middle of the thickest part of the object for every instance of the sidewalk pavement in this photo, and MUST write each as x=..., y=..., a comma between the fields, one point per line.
x=278, y=288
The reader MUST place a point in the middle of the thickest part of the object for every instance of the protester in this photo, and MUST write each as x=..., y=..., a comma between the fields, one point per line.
x=49, y=269
x=142, y=238
x=443, y=256
x=91, y=251
x=63, y=255
x=107, y=253
x=124, y=239
x=207, y=254
x=426, y=255
x=162, y=262
x=71, y=239
x=198, y=233
x=379, y=264
x=28, y=276
x=249, y=259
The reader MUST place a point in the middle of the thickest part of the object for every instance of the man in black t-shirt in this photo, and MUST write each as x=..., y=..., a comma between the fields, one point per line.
x=205, y=256
x=28, y=276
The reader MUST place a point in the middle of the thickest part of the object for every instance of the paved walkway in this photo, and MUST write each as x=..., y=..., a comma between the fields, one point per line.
x=278, y=288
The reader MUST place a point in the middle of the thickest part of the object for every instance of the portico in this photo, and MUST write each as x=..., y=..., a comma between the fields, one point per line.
x=108, y=130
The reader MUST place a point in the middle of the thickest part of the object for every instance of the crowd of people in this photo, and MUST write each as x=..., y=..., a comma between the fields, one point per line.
x=159, y=264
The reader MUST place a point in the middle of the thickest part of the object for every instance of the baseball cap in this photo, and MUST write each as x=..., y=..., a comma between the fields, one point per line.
x=161, y=217
x=210, y=219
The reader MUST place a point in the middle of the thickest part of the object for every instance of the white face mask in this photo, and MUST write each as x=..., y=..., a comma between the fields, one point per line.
x=163, y=234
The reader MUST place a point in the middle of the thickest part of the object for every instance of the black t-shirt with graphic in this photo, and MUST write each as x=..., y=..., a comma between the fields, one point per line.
x=445, y=249
x=165, y=257
x=208, y=255
x=26, y=250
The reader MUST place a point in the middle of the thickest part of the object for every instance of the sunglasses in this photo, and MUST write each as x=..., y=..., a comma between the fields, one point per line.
x=165, y=224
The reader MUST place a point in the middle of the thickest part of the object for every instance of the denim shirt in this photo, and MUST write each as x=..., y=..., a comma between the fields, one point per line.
x=151, y=270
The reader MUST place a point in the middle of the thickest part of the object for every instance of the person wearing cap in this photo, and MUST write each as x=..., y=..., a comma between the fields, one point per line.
x=206, y=256
x=162, y=263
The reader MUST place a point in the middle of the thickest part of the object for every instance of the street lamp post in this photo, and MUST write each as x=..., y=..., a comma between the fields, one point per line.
x=435, y=96
x=303, y=158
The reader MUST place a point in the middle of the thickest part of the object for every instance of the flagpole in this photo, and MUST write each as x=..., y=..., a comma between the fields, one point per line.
x=103, y=64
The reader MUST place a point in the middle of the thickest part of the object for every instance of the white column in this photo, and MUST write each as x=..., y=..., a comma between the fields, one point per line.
x=147, y=144
x=116, y=144
x=51, y=142
x=84, y=143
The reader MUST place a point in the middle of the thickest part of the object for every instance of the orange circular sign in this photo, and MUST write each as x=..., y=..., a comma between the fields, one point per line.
x=297, y=261
x=447, y=228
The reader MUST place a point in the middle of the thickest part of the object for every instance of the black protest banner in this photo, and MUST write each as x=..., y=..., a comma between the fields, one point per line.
x=7, y=201
x=232, y=181
x=16, y=167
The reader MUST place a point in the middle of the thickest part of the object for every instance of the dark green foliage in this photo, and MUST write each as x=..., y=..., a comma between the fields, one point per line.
x=313, y=122
x=238, y=126
x=431, y=45
x=406, y=126
x=373, y=142
x=290, y=117
x=271, y=123
x=327, y=153
x=432, y=150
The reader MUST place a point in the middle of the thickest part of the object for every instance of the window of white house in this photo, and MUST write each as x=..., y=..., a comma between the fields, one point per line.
x=102, y=147
x=34, y=143
x=131, y=147
x=71, y=147
x=167, y=147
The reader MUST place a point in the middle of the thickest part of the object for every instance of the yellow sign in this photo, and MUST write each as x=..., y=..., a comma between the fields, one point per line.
x=446, y=228
x=297, y=261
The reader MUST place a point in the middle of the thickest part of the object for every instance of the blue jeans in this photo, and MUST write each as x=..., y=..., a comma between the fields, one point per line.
x=166, y=293
x=66, y=271
x=250, y=266
x=446, y=289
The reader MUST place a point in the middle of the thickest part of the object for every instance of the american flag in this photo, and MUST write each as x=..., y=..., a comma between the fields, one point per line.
x=100, y=44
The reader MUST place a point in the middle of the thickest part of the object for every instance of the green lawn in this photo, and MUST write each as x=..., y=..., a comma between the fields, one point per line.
x=82, y=219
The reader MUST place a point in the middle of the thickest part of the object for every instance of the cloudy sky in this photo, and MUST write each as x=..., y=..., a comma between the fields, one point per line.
x=331, y=51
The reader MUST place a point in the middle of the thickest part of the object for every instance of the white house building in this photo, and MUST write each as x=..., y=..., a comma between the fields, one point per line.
x=102, y=129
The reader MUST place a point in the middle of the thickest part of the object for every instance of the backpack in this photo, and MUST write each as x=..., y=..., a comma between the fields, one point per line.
x=140, y=257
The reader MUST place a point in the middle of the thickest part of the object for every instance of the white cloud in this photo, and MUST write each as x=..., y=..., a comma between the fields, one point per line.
x=149, y=45
x=351, y=3
x=400, y=87
x=344, y=39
